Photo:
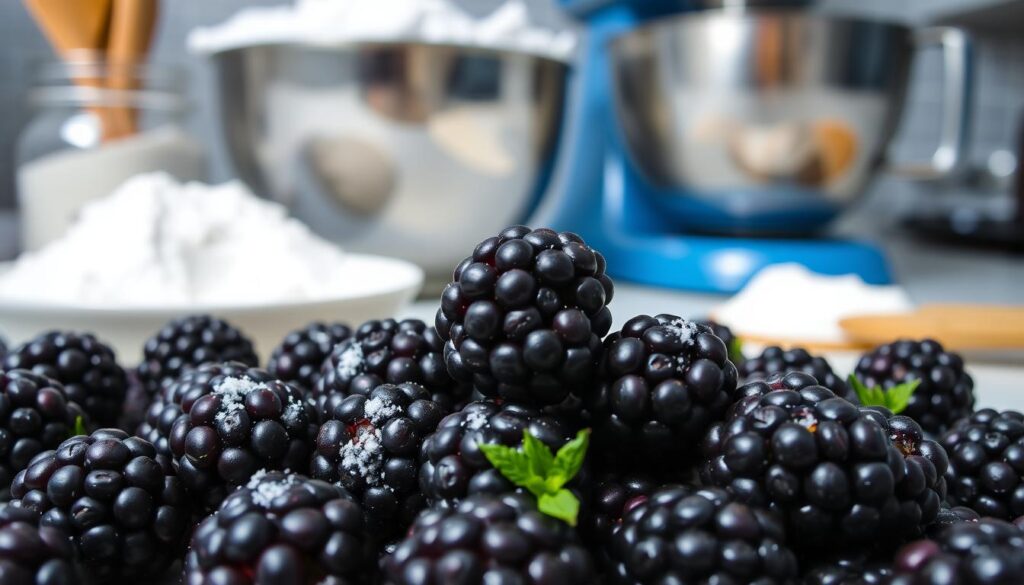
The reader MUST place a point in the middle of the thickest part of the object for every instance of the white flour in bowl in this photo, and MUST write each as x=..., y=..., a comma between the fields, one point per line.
x=156, y=242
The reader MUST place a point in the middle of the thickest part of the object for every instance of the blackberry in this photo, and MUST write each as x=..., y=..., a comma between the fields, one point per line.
x=281, y=528
x=234, y=425
x=490, y=538
x=729, y=338
x=126, y=512
x=191, y=341
x=841, y=476
x=946, y=391
x=986, y=463
x=524, y=316
x=453, y=467
x=369, y=445
x=681, y=535
x=300, y=354
x=84, y=365
x=614, y=495
x=987, y=552
x=33, y=554
x=35, y=415
x=849, y=570
x=387, y=352
x=664, y=381
x=775, y=360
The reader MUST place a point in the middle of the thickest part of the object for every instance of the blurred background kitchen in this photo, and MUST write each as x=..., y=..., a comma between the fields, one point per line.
x=600, y=139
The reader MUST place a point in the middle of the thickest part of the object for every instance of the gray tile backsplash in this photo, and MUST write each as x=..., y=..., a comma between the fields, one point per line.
x=999, y=99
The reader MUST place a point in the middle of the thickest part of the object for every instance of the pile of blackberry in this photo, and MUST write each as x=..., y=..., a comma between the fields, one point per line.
x=665, y=380
x=986, y=552
x=33, y=554
x=282, y=528
x=986, y=463
x=387, y=352
x=120, y=503
x=490, y=538
x=524, y=316
x=300, y=354
x=369, y=445
x=191, y=341
x=35, y=415
x=85, y=366
x=946, y=391
x=775, y=360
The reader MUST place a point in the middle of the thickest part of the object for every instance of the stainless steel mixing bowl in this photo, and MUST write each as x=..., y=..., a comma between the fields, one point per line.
x=771, y=120
x=412, y=150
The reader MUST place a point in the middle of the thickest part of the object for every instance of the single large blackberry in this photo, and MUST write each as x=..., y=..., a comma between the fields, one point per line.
x=664, y=381
x=282, y=528
x=454, y=467
x=33, y=554
x=84, y=365
x=946, y=391
x=490, y=538
x=986, y=463
x=775, y=360
x=387, y=352
x=300, y=354
x=190, y=341
x=524, y=316
x=119, y=501
x=231, y=426
x=35, y=415
x=369, y=445
x=987, y=552
x=841, y=476
x=680, y=535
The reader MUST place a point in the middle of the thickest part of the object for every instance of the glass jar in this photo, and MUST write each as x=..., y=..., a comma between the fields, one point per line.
x=93, y=125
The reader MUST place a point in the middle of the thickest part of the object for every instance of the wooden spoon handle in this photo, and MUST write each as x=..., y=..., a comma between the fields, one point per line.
x=955, y=326
x=131, y=32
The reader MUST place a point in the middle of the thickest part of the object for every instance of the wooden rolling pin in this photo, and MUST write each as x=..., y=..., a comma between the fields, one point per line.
x=959, y=327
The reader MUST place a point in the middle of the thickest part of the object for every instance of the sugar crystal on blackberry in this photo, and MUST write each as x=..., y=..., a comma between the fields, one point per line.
x=301, y=353
x=282, y=527
x=683, y=535
x=986, y=463
x=945, y=392
x=120, y=502
x=85, y=366
x=35, y=415
x=775, y=360
x=987, y=552
x=191, y=341
x=33, y=554
x=524, y=316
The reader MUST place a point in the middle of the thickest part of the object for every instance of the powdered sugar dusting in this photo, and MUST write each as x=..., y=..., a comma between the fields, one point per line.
x=475, y=421
x=686, y=330
x=264, y=492
x=363, y=456
x=232, y=393
x=350, y=362
x=379, y=409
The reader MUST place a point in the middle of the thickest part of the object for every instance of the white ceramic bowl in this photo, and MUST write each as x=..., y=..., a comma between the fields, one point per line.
x=127, y=329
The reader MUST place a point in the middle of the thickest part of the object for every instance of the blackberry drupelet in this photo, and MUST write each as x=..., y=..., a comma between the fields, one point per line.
x=387, y=352
x=35, y=415
x=950, y=517
x=849, y=570
x=282, y=528
x=987, y=552
x=489, y=538
x=664, y=381
x=369, y=445
x=775, y=360
x=524, y=316
x=986, y=463
x=842, y=477
x=300, y=354
x=234, y=425
x=946, y=391
x=84, y=365
x=33, y=554
x=191, y=341
x=682, y=535
x=729, y=338
x=120, y=502
x=454, y=467
x=614, y=496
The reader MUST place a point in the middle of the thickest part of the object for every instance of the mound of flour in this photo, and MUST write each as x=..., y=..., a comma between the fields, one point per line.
x=156, y=242
x=512, y=26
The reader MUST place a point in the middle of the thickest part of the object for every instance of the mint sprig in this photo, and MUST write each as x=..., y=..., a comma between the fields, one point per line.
x=542, y=473
x=736, y=350
x=79, y=427
x=895, y=399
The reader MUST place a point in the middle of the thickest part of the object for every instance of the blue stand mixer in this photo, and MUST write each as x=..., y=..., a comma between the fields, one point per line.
x=704, y=144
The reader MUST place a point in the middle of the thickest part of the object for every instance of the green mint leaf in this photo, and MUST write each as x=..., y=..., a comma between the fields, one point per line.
x=867, y=396
x=736, y=350
x=561, y=504
x=79, y=427
x=570, y=458
x=512, y=463
x=898, y=397
x=538, y=454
